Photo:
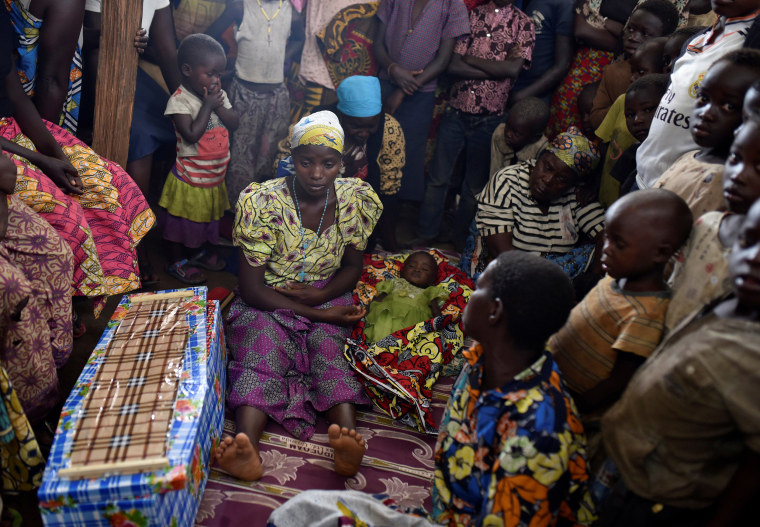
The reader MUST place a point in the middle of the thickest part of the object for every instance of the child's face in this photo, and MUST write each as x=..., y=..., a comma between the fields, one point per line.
x=316, y=168
x=519, y=131
x=741, y=173
x=420, y=270
x=205, y=76
x=718, y=110
x=641, y=26
x=630, y=243
x=646, y=60
x=744, y=262
x=734, y=8
x=751, y=106
x=640, y=107
x=550, y=178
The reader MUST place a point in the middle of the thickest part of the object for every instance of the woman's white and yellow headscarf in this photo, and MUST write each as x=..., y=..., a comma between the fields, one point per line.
x=320, y=129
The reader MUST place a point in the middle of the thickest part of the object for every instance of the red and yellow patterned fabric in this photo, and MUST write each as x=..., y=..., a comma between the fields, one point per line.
x=399, y=370
x=102, y=226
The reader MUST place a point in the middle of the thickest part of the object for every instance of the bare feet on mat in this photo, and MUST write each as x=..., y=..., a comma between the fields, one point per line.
x=349, y=449
x=239, y=458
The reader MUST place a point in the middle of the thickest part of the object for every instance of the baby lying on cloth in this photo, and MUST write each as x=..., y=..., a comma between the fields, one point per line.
x=405, y=301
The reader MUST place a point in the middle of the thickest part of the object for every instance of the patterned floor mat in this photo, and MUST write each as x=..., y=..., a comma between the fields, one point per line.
x=399, y=462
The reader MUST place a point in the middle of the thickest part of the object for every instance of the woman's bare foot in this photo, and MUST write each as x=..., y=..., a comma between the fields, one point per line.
x=349, y=449
x=238, y=457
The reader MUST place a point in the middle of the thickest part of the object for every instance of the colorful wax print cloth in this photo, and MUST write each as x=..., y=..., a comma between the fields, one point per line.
x=20, y=455
x=27, y=27
x=267, y=229
x=287, y=366
x=346, y=42
x=36, y=266
x=514, y=455
x=399, y=370
x=103, y=226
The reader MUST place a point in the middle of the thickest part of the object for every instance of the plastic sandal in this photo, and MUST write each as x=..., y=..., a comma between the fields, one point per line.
x=210, y=262
x=185, y=273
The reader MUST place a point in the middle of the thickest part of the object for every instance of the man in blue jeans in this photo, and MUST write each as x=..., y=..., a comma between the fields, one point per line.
x=486, y=61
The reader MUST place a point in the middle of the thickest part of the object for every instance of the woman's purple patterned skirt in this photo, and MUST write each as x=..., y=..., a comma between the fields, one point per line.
x=288, y=366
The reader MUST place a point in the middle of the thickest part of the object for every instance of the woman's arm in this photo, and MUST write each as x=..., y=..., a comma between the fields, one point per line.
x=498, y=243
x=49, y=157
x=546, y=83
x=605, y=39
x=402, y=77
x=439, y=64
x=163, y=40
x=58, y=41
x=344, y=281
x=255, y=292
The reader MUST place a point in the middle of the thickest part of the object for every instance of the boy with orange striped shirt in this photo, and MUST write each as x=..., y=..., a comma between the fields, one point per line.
x=621, y=320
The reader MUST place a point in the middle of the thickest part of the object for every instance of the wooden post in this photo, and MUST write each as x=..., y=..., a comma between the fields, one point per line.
x=117, y=72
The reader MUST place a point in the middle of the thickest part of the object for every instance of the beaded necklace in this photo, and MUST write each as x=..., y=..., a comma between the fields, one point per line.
x=269, y=19
x=304, y=243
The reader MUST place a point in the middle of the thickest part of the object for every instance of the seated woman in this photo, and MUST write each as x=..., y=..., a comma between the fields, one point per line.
x=532, y=206
x=375, y=148
x=510, y=450
x=90, y=201
x=35, y=304
x=301, y=240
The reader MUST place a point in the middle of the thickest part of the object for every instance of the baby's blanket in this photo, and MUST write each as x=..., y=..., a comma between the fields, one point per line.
x=399, y=370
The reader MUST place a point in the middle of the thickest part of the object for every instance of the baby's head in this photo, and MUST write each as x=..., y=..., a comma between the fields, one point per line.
x=420, y=269
x=565, y=162
x=720, y=96
x=585, y=105
x=201, y=61
x=648, y=58
x=751, y=106
x=744, y=262
x=642, y=231
x=741, y=173
x=675, y=43
x=525, y=122
x=641, y=101
x=650, y=19
x=529, y=295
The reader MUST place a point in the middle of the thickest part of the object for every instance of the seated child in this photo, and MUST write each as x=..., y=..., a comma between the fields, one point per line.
x=406, y=301
x=195, y=195
x=651, y=19
x=675, y=43
x=520, y=137
x=698, y=176
x=641, y=102
x=700, y=274
x=620, y=321
x=614, y=130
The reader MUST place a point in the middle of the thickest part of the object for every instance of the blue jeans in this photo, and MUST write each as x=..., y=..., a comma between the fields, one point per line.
x=458, y=130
